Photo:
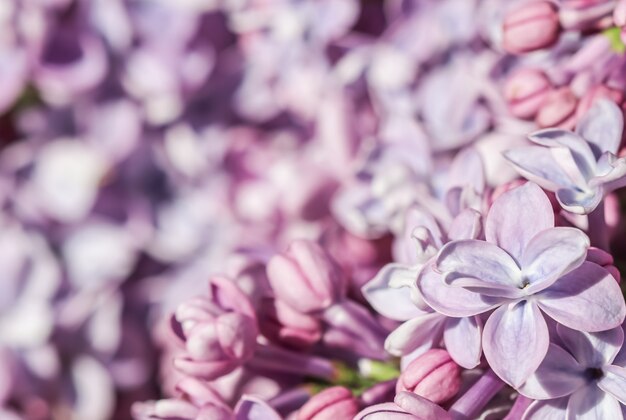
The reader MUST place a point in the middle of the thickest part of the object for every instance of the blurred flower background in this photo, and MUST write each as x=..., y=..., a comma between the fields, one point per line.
x=147, y=146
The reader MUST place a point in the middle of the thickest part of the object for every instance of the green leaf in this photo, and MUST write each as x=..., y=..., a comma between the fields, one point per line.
x=614, y=36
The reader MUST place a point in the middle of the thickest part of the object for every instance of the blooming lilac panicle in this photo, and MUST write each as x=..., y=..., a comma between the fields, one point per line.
x=348, y=176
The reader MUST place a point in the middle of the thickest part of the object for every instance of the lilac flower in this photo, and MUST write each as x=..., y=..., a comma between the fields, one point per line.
x=406, y=406
x=525, y=267
x=394, y=294
x=583, y=375
x=580, y=167
x=315, y=280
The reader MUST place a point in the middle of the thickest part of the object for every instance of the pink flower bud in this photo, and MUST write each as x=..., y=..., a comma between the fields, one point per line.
x=531, y=27
x=525, y=91
x=283, y=324
x=331, y=404
x=558, y=110
x=433, y=375
x=305, y=277
x=218, y=332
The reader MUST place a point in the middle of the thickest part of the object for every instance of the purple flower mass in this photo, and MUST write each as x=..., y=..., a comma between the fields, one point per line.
x=312, y=209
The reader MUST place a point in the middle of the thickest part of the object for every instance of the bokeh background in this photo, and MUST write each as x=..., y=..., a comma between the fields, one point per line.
x=145, y=144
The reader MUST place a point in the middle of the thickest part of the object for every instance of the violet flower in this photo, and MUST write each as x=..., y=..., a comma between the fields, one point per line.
x=394, y=294
x=525, y=267
x=582, y=376
x=580, y=167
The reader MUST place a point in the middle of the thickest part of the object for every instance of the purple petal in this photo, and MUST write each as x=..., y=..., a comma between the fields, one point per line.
x=552, y=253
x=537, y=164
x=515, y=341
x=610, y=174
x=592, y=349
x=252, y=408
x=518, y=215
x=547, y=410
x=420, y=406
x=591, y=402
x=602, y=127
x=466, y=178
x=462, y=337
x=586, y=299
x=393, y=302
x=424, y=330
x=478, y=264
x=450, y=300
x=572, y=152
x=579, y=202
x=614, y=382
x=558, y=375
x=467, y=225
x=384, y=411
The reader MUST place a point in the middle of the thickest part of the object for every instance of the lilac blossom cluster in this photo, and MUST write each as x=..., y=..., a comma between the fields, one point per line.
x=312, y=209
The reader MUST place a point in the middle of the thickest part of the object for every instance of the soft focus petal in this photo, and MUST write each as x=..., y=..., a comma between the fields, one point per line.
x=602, y=127
x=467, y=225
x=424, y=330
x=558, y=375
x=552, y=253
x=614, y=382
x=586, y=299
x=592, y=349
x=451, y=300
x=393, y=302
x=584, y=161
x=515, y=341
x=579, y=202
x=591, y=402
x=518, y=215
x=537, y=164
x=384, y=411
x=546, y=410
x=420, y=407
x=252, y=408
x=462, y=337
x=478, y=260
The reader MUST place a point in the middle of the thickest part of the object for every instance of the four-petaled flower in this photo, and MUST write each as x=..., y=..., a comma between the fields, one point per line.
x=525, y=267
x=580, y=167
x=584, y=376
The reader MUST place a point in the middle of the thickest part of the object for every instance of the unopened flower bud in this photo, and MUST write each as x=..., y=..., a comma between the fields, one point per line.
x=525, y=91
x=530, y=27
x=218, y=332
x=433, y=375
x=283, y=324
x=331, y=404
x=305, y=277
x=558, y=110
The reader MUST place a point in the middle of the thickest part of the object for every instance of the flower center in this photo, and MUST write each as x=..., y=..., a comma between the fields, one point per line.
x=594, y=374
